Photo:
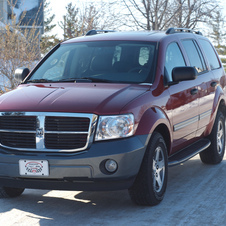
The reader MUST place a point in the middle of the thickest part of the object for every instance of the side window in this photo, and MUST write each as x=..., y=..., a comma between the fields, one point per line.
x=174, y=58
x=194, y=55
x=210, y=54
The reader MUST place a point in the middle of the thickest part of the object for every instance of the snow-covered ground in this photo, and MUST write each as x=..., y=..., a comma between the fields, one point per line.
x=195, y=196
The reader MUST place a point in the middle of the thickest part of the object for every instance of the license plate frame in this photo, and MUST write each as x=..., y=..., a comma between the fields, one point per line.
x=33, y=167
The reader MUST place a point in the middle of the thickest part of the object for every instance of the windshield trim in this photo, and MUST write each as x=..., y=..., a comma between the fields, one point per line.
x=150, y=76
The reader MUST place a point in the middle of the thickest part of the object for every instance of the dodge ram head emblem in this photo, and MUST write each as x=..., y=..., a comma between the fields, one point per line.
x=39, y=132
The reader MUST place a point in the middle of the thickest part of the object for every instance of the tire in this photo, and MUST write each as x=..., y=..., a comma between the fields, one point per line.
x=150, y=184
x=215, y=152
x=6, y=192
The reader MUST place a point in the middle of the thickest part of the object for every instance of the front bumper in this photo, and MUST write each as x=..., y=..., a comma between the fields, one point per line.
x=79, y=171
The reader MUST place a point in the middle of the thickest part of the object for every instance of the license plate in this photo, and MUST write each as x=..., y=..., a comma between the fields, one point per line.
x=33, y=167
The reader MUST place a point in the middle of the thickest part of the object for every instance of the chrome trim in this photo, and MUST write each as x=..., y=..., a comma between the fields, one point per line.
x=186, y=123
x=40, y=130
x=66, y=132
x=145, y=84
x=205, y=114
x=33, y=131
x=197, y=118
x=16, y=131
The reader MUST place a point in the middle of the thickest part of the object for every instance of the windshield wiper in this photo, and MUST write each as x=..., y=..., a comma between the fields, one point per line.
x=42, y=80
x=77, y=80
x=96, y=79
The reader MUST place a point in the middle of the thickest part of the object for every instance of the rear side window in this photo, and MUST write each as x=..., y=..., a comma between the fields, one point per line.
x=194, y=55
x=210, y=54
x=174, y=58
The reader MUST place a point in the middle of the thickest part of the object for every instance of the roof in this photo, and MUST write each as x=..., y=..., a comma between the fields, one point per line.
x=154, y=36
x=122, y=36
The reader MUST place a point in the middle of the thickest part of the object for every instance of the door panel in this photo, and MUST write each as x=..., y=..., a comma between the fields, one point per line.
x=184, y=106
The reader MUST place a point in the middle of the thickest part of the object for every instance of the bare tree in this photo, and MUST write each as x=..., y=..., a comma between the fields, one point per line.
x=147, y=14
x=161, y=14
x=18, y=48
x=79, y=20
x=190, y=13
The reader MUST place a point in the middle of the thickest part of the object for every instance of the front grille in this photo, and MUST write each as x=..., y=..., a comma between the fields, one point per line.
x=67, y=124
x=18, y=123
x=50, y=132
x=68, y=141
x=18, y=140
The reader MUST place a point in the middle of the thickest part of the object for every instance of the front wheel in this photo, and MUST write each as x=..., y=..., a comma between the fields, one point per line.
x=150, y=184
x=7, y=192
x=215, y=152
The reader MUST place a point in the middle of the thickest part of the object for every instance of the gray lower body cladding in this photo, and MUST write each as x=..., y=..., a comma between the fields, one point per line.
x=78, y=171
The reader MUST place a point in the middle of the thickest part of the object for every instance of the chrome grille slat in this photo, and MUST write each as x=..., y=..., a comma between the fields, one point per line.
x=46, y=131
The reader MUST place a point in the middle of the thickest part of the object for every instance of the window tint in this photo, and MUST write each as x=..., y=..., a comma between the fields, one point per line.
x=174, y=58
x=194, y=55
x=210, y=54
x=108, y=61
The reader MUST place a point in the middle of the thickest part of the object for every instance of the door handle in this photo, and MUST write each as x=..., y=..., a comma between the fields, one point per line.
x=213, y=84
x=194, y=91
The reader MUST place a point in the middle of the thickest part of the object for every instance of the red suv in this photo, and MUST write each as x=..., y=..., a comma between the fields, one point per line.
x=112, y=111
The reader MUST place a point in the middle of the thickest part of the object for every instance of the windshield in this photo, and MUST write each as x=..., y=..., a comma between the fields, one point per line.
x=105, y=61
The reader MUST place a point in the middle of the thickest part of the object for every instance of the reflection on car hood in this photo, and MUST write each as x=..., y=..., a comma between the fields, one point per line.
x=71, y=97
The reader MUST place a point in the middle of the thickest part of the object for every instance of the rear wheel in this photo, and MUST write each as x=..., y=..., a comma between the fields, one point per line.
x=7, y=192
x=150, y=184
x=215, y=152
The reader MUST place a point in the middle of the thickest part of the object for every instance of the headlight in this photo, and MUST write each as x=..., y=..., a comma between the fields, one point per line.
x=114, y=126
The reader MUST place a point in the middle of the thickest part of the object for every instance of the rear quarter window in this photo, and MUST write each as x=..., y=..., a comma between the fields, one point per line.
x=210, y=54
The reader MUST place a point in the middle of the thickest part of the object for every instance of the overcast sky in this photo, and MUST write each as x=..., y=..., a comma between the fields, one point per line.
x=58, y=8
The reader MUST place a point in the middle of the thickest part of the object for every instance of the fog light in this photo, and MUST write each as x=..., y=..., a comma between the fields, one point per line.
x=111, y=165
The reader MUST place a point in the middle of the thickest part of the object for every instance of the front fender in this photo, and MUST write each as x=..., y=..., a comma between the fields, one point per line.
x=151, y=119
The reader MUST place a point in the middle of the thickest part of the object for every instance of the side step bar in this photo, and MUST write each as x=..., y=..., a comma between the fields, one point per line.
x=188, y=152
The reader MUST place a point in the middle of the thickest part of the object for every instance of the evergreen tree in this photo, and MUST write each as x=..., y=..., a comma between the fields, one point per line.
x=48, y=41
x=70, y=23
x=218, y=33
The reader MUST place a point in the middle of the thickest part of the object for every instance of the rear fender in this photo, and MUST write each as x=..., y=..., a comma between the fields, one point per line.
x=219, y=101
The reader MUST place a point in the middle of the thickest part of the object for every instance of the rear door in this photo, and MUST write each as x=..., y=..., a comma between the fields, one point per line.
x=205, y=81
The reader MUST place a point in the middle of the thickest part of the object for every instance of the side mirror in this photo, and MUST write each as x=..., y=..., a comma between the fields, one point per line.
x=21, y=73
x=184, y=73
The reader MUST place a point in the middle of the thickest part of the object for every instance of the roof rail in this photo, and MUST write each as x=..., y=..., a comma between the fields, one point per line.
x=94, y=32
x=173, y=30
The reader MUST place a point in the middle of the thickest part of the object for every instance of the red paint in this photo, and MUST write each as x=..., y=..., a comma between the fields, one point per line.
x=152, y=106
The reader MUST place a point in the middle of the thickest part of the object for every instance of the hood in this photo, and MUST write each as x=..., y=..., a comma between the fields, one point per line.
x=71, y=97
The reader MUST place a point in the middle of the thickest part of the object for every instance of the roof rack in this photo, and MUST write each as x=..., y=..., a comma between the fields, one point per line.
x=174, y=30
x=94, y=32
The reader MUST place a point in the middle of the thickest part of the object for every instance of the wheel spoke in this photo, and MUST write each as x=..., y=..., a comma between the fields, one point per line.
x=158, y=169
x=158, y=149
x=219, y=144
x=220, y=137
x=159, y=181
x=161, y=164
x=220, y=133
